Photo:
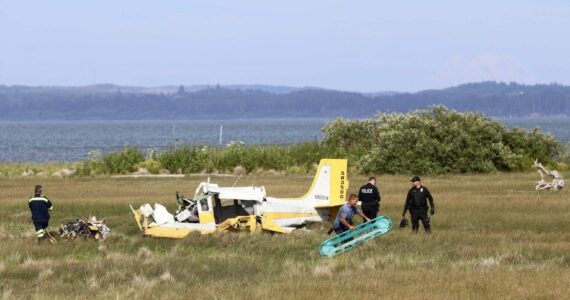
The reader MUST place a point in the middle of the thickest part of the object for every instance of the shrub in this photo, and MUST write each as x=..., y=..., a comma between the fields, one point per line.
x=122, y=162
x=151, y=165
x=271, y=157
x=348, y=139
x=186, y=159
x=435, y=141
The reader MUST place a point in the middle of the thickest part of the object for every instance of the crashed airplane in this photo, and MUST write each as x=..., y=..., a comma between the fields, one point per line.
x=214, y=208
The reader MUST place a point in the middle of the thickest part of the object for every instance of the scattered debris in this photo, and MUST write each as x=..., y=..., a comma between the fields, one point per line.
x=51, y=236
x=187, y=209
x=90, y=228
x=557, y=181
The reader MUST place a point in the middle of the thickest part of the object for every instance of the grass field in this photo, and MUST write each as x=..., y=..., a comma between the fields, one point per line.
x=493, y=237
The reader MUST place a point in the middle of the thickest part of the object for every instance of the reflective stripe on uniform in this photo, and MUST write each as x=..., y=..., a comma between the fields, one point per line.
x=40, y=233
x=38, y=199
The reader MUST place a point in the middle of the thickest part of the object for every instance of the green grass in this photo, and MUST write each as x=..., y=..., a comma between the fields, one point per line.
x=494, y=237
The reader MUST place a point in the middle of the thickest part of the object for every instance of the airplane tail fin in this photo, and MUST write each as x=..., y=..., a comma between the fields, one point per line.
x=330, y=184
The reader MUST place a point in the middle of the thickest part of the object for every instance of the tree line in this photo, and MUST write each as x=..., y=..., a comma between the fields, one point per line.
x=104, y=103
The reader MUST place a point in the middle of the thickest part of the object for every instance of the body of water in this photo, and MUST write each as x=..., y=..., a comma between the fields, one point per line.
x=72, y=141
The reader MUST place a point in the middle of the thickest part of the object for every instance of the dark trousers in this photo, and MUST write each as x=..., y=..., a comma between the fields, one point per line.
x=339, y=231
x=417, y=215
x=341, y=228
x=40, y=226
x=370, y=209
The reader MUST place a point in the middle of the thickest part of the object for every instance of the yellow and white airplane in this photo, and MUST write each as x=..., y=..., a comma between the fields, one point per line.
x=216, y=208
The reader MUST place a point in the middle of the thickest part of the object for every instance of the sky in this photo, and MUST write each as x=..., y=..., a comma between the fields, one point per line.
x=362, y=46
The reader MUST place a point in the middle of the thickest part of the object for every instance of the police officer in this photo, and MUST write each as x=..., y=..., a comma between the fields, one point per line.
x=370, y=198
x=40, y=207
x=417, y=204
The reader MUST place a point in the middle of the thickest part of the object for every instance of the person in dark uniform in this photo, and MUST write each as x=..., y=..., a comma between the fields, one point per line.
x=369, y=198
x=40, y=207
x=417, y=204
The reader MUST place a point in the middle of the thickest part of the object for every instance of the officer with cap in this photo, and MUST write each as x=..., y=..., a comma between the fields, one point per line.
x=370, y=198
x=417, y=204
x=40, y=207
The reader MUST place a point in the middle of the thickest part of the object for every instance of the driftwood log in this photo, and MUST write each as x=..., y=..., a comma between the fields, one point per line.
x=557, y=180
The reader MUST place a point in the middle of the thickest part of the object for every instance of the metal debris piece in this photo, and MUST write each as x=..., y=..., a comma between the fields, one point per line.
x=187, y=209
x=90, y=228
x=557, y=181
x=50, y=237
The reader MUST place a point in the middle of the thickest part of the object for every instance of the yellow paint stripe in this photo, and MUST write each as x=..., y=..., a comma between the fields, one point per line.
x=206, y=217
x=165, y=232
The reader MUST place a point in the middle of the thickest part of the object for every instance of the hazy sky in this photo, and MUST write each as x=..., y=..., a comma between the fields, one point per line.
x=349, y=45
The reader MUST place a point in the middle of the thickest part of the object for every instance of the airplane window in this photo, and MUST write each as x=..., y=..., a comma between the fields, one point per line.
x=204, y=205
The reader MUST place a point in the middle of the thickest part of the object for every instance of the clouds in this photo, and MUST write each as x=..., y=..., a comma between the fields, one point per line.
x=482, y=67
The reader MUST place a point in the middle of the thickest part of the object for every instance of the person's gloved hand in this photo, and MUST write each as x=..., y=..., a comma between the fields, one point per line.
x=432, y=211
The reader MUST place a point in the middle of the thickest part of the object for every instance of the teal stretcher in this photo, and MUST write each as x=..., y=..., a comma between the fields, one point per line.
x=350, y=239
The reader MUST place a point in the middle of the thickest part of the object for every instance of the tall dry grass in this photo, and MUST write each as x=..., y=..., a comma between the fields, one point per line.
x=493, y=237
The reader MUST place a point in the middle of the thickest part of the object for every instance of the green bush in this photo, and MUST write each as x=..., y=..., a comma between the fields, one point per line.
x=202, y=158
x=151, y=165
x=436, y=141
x=186, y=159
x=348, y=139
x=122, y=162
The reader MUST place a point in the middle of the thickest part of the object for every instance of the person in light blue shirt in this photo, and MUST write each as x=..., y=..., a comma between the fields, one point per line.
x=343, y=221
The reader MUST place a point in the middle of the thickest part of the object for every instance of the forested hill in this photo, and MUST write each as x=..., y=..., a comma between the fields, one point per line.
x=110, y=102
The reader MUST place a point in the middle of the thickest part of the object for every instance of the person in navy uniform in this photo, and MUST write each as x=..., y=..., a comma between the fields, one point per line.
x=370, y=198
x=417, y=204
x=40, y=207
x=343, y=221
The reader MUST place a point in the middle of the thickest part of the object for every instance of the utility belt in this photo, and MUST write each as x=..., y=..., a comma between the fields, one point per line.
x=418, y=209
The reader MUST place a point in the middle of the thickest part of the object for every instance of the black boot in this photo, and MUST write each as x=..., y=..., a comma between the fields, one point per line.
x=41, y=239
